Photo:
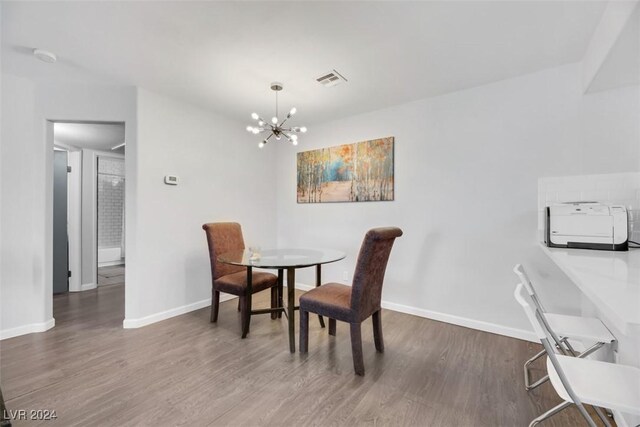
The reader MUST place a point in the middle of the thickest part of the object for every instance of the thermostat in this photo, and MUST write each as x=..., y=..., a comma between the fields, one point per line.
x=171, y=180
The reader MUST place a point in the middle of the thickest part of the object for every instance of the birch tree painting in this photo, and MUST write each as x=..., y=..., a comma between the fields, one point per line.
x=359, y=172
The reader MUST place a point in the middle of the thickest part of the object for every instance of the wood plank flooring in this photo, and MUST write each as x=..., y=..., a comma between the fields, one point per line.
x=111, y=275
x=187, y=371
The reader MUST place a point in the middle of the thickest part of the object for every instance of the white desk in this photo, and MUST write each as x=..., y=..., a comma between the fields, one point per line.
x=611, y=281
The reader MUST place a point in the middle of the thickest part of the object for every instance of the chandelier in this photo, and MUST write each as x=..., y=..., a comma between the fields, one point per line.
x=276, y=128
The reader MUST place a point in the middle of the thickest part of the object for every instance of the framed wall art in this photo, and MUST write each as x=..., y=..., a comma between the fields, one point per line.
x=359, y=172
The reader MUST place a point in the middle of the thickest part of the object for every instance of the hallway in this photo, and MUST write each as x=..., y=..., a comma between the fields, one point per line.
x=112, y=275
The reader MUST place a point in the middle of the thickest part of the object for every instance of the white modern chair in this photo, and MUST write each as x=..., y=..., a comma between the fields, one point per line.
x=582, y=381
x=588, y=329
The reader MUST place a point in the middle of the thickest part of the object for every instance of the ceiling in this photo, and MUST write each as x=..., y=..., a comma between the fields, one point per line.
x=622, y=66
x=94, y=136
x=223, y=55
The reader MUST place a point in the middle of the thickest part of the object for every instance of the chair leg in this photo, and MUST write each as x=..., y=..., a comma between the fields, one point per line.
x=318, y=282
x=274, y=301
x=587, y=417
x=215, y=304
x=280, y=290
x=356, y=348
x=527, y=381
x=239, y=303
x=602, y=416
x=551, y=412
x=377, y=331
x=245, y=315
x=332, y=327
x=304, y=331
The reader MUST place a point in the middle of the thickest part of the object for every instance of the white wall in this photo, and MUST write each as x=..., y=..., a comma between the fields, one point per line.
x=22, y=269
x=223, y=177
x=466, y=171
x=467, y=166
x=74, y=219
x=27, y=172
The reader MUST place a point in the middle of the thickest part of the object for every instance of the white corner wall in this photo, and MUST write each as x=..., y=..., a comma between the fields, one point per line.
x=466, y=173
x=22, y=301
x=223, y=177
x=26, y=181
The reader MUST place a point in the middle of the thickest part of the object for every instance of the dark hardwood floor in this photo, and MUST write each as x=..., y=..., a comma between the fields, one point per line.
x=187, y=371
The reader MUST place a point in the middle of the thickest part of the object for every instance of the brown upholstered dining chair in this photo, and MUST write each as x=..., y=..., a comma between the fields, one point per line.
x=232, y=279
x=354, y=304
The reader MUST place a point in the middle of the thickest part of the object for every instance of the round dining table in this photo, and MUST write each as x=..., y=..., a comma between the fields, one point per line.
x=281, y=260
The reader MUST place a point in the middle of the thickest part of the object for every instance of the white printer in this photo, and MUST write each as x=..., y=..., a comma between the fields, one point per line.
x=587, y=225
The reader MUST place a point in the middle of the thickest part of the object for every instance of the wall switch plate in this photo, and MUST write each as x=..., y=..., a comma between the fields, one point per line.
x=171, y=180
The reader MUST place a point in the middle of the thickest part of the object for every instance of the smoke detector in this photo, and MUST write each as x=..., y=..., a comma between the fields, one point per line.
x=331, y=78
x=45, y=56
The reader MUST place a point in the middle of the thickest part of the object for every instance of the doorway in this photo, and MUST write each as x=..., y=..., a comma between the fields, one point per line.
x=61, y=271
x=111, y=226
x=88, y=206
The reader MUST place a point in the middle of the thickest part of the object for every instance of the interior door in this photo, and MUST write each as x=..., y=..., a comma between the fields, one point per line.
x=60, y=236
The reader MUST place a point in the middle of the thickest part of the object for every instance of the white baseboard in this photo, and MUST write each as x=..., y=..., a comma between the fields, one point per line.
x=163, y=315
x=302, y=286
x=110, y=263
x=463, y=321
x=27, y=329
x=109, y=256
x=453, y=319
x=88, y=286
x=428, y=314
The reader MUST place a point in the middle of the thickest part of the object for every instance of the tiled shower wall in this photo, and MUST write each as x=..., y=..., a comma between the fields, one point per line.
x=616, y=188
x=110, y=202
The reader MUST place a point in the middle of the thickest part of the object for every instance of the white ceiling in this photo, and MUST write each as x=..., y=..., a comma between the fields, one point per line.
x=94, y=136
x=622, y=66
x=223, y=55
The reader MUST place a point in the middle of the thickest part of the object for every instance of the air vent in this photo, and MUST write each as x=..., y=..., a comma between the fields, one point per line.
x=331, y=78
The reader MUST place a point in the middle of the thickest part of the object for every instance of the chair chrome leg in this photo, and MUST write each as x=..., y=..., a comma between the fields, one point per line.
x=527, y=381
x=527, y=374
x=602, y=416
x=566, y=342
x=551, y=412
x=590, y=350
x=587, y=417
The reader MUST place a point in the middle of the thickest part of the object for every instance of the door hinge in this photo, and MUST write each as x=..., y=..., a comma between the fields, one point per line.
x=68, y=169
x=69, y=273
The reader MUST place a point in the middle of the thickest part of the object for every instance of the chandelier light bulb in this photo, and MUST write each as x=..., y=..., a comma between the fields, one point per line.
x=294, y=137
x=303, y=129
x=256, y=131
x=293, y=111
x=255, y=116
x=294, y=142
x=249, y=128
x=260, y=123
x=261, y=144
x=274, y=120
